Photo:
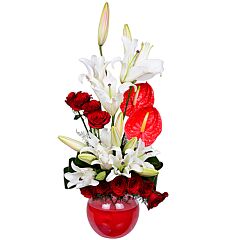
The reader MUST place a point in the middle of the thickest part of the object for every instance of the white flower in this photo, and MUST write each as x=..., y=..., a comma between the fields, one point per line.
x=96, y=67
x=104, y=84
x=109, y=94
x=122, y=165
x=82, y=177
x=102, y=150
x=136, y=65
x=133, y=160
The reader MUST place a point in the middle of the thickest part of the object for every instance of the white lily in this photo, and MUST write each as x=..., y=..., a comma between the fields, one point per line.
x=101, y=150
x=122, y=165
x=96, y=68
x=109, y=94
x=139, y=157
x=135, y=65
x=82, y=177
x=104, y=84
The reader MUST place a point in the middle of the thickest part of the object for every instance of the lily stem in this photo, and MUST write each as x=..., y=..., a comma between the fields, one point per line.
x=100, y=49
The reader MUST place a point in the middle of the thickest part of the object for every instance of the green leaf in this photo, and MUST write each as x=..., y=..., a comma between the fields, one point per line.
x=155, y=162
x=154, y=180
x=76, y=117
x=80, y=163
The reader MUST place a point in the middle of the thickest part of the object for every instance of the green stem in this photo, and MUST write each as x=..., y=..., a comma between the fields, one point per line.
x=100, y=50
x=128, y=98
x=98, y=134
x=113, y=120
x=83, y=121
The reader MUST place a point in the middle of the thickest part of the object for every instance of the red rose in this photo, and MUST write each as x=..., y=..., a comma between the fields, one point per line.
x=145, y=123
x=155, y=198
x=119, y=186
x=144, y=97
x=98, y=119
x=135, y=184
x=91, y=106
x=76, y=100
x=102, y=188
x=147, y=188
x=87, y=191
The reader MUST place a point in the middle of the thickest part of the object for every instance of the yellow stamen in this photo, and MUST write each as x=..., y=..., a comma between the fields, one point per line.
x=144, y=122
x=136, y=96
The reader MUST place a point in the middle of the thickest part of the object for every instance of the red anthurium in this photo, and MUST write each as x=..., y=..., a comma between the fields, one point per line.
x=143, y=97
x=145, y=123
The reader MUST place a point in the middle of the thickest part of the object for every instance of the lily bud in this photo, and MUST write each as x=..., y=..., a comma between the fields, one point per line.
x=126, y=32
x=148, y=172
x=101, y=176
x=119, y=124
x=130, y=144
x=116, y=141
x=87, y=157
x=74, y=144
x=103, y=25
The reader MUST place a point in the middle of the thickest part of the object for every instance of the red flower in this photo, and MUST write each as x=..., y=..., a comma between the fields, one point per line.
x=144, y=97
x=98, y=119
x=147, y=188
x=102, y=188
x=155, y=198
x=87, y=191
x=135, y=184
x=91, y=106
x=76, y=100
x=119, y=186
x=145, y=123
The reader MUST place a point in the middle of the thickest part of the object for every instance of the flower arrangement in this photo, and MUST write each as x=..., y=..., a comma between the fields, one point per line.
x=114, y=155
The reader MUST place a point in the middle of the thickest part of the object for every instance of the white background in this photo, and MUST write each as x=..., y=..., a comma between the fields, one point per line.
x=198, y=98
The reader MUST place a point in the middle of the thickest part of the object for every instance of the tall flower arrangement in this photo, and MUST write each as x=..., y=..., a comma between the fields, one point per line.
x=114, y=156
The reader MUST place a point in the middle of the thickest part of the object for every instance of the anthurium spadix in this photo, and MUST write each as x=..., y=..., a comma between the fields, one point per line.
x=103, y=25
x=74, y=144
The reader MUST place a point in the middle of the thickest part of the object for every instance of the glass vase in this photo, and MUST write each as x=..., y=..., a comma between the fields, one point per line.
x=112, y=218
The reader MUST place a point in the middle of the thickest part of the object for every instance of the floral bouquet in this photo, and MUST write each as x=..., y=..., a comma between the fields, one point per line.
x=115, y=159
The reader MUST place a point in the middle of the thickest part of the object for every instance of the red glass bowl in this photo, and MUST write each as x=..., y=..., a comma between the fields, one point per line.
x=112, y=219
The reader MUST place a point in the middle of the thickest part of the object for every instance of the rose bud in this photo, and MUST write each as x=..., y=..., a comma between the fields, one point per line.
x=135, y=184
x=119, y=185
x=147, y=189
x=91, y=106
x=155, y=198
x=87, y=191
x=76, y=100
x=98, y=119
